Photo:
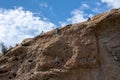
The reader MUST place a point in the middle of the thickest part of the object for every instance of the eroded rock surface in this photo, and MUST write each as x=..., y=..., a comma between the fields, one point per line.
x=87, y=51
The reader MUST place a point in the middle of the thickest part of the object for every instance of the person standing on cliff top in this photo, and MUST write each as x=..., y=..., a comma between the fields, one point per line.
x=88, y=19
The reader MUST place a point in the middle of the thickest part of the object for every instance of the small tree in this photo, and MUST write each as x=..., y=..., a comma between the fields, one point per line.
x=3, y=49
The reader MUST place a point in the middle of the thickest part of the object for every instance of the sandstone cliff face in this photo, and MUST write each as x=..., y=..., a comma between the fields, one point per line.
x=87, y=51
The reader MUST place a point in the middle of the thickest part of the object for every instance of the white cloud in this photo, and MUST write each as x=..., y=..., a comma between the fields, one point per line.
x=17, y=24
x=77, y=16
x=112, y=3
x=98, y=3
x=97, y=10
x=84, y=6
x=44, y=4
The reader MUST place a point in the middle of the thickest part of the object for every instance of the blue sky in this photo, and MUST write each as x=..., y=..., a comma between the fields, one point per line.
x=56, y=11
x=21, y=19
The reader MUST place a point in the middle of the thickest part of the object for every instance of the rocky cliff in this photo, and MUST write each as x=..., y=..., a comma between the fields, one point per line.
x=86, y=51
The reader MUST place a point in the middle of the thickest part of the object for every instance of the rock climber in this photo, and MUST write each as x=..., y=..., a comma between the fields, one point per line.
x=57, y=61
x=42, y=32
x=88, y=19
x=57, y=31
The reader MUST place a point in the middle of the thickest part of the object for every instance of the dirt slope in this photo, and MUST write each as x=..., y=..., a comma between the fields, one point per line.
x=87, y=51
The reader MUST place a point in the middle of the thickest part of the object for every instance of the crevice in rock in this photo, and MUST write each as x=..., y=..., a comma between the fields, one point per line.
x=3, y=71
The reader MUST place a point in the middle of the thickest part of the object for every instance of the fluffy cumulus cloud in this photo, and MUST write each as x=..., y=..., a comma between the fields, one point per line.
x=112, y=3
x=77, y=16
x=17, y=24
